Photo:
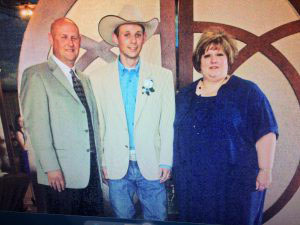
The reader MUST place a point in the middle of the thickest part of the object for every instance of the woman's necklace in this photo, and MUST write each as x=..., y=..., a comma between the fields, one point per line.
x=203, y=90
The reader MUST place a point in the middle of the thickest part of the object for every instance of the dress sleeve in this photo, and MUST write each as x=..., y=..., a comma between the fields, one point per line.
x=261, y=119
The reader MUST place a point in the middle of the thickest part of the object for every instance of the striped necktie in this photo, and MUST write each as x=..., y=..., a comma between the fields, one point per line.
x=81, y=95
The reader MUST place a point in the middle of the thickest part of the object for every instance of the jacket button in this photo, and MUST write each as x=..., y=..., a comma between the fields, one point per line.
x=88, y=150
x=126, y=146
x=86, y=130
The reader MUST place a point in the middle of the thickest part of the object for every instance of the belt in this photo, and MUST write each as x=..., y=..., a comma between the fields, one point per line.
x=132, y=156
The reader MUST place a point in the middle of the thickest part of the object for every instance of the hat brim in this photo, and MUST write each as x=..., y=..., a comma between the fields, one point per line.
x=108, y=24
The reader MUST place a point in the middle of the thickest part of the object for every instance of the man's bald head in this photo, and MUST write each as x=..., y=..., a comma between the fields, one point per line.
x=59, y=22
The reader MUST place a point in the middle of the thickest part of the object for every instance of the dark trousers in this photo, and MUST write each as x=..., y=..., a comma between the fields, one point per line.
x=87, y=201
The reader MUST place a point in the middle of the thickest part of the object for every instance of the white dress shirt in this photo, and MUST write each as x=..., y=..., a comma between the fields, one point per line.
x=65, y=69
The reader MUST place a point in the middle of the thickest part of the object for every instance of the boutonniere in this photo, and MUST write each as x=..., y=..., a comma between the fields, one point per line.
x=148, y=87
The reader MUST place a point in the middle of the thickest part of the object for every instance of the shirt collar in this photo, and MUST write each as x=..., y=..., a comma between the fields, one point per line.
x=123, y=69
x=65, y=69
x=61, y=65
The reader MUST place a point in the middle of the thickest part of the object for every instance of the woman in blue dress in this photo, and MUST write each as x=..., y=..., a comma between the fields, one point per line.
x=224, y=143
x=22, y=139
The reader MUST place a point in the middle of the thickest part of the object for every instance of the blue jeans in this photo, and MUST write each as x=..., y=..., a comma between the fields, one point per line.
x=152, y=195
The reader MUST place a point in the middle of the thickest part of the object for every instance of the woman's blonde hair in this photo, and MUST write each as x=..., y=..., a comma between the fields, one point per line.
x=215, y=36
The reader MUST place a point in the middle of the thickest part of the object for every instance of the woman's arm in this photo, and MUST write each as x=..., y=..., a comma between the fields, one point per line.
x=20, y=139
x=265, y=148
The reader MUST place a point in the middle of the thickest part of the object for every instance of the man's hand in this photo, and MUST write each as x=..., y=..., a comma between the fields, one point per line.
x=104, y=175
x=56, y=180
x=165, y=174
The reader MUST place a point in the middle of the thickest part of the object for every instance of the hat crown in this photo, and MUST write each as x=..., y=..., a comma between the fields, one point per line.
x=128, y=14
x=131, y=13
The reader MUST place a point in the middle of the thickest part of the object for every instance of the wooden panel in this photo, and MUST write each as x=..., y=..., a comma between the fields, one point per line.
x=9, y=146
x=296, y=5
x=186, y=39
x=167, y=35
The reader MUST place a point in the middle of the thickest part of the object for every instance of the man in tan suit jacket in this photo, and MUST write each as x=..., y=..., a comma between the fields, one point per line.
x=136, y=111
x=61, y=117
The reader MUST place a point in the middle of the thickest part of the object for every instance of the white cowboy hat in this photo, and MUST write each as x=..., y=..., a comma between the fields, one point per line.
x=129, y=14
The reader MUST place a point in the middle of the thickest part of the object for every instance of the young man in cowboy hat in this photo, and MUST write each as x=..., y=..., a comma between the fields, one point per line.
x=136, y=112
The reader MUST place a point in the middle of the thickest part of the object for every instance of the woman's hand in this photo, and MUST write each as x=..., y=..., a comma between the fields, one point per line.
x=264, y=179
x=265, y=148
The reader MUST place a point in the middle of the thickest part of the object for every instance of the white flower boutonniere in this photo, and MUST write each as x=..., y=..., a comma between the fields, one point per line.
x=148, y=87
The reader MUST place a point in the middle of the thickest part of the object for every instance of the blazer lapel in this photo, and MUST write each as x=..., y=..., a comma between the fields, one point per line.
x=141, y=99
x=58, y=74
x=115, y=93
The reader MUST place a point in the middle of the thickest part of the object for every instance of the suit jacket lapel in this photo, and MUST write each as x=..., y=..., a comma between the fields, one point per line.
x=58, y=74
x=141, y=98
x=116, y=94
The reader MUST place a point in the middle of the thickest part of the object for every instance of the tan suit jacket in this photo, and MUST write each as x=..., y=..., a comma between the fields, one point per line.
x=153, y=124
x=56, y=122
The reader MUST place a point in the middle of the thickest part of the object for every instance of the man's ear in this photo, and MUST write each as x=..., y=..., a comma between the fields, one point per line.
x=50, y=39
x=115, y=39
